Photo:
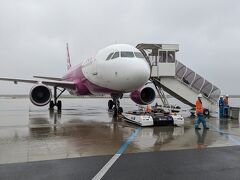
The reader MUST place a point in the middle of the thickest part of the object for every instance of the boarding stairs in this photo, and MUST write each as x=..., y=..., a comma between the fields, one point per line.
x=176, y=79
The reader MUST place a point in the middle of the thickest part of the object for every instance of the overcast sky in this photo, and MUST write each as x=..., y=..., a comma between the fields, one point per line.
x=33, y=35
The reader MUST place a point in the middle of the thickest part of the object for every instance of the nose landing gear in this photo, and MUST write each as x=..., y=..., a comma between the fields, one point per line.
x=115, y=104
x=110, y=104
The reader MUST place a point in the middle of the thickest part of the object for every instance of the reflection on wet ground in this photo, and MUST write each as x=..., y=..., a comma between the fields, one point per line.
x=201, y=138
x=86, y=128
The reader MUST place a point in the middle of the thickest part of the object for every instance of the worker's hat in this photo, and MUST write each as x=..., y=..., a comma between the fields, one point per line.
x=200, y=96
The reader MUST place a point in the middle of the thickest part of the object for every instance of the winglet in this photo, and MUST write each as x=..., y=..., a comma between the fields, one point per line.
x=68, y=59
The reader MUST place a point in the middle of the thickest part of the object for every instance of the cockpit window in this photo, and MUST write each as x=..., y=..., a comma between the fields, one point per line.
x=127, y=54
x=138, y=55
x=116, y=55
x=109, y=56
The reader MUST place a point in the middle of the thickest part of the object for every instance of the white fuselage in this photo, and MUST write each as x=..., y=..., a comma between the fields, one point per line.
x=124, y=73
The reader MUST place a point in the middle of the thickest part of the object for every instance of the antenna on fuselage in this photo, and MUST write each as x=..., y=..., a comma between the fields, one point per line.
x=68, y=59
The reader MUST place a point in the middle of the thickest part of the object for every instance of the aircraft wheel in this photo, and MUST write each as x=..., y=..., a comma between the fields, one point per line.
x=110, y=104
x=206, y=112
x=120, y=110
x=59, y=105
x=51, y=105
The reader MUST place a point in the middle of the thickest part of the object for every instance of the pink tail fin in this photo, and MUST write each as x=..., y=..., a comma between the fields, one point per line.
x=68, y=59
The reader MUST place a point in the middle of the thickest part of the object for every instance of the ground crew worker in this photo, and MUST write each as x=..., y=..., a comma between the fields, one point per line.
x=226, y=100
x=199, y=112
x=148, y=109
x=155, y=108
x=221, y=107
x=226, y=106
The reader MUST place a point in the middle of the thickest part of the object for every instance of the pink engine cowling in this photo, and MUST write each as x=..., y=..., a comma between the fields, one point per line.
x=40, y=95
x=143, y=96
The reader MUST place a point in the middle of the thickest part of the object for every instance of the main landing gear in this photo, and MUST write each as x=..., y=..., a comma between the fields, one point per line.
x=115, y=104
x=55, y=101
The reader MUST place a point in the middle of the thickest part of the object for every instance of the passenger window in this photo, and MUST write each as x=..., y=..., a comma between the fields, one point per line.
x=138, y=55
x=109, y=56
x=127, y=54
x=116, y=55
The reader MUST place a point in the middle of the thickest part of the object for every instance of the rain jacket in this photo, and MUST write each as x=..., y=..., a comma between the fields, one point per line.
x=199, y=108
x=225, y=101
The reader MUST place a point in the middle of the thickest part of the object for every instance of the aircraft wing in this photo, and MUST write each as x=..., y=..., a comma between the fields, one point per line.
x=57, y=83
x=62, y=84
x=49, y=78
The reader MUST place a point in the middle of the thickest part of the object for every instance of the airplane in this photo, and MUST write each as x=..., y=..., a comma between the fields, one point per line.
x=114, y=70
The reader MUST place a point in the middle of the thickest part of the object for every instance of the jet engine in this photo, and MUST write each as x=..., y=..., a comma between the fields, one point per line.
x=40, y=95
x=143, y=96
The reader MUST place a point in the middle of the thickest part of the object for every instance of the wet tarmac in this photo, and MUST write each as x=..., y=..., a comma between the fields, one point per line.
x=85, y=128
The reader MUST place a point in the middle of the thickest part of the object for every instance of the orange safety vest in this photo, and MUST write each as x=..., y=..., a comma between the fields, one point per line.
x=148, y=110
x=225, y=101
x=199, y=108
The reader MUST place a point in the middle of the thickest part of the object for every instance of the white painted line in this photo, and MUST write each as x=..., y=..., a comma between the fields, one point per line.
x=107, y=166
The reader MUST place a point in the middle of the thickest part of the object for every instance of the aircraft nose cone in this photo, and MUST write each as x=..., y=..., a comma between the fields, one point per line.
x=139, y=74
x=142, y=72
